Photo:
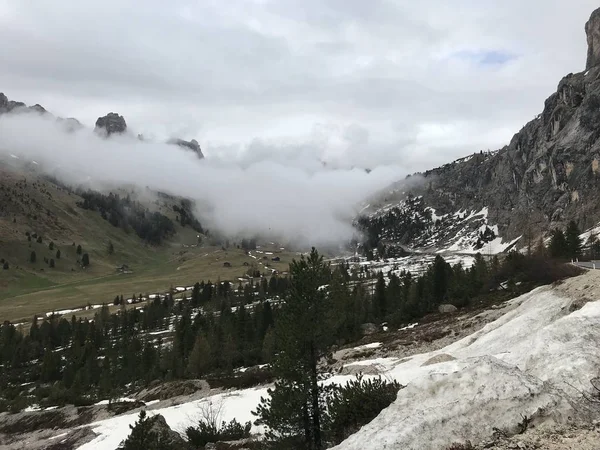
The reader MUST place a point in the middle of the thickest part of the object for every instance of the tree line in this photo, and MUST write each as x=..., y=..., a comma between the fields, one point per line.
x=289, y=322
x=152, y=227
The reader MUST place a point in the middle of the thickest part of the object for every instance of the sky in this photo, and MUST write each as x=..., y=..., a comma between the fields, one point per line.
x=349, y=82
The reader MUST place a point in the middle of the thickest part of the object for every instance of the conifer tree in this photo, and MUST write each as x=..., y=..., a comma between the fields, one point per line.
x=558, y=245
x=303, y=334
x=380, y=300
x=199, y=361
x=574, y=242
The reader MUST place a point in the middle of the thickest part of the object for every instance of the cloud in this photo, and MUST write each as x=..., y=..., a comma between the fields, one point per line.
x=237, y=73
x=295, y=198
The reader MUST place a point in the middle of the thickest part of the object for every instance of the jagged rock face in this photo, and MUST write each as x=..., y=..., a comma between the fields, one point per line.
x=3, y=103
x=38, y=108
x=547, y=175
x=192, y=145
x=592, y=30
x=110, y=124
x=7, y=105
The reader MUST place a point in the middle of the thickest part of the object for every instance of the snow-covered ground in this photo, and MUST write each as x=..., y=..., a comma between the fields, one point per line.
x=534, y=360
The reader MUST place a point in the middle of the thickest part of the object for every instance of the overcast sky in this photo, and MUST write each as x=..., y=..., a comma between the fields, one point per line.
x=362, y=82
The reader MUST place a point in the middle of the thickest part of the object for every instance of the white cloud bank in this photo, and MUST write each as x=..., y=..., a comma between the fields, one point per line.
x=296, y=198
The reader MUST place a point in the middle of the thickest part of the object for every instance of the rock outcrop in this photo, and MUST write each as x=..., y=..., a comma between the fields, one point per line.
x=191, y=145
x=110, y=124
x=169, y=438
x=592, y=30
x=7, y=106
x=548, y=174
x=3, y=103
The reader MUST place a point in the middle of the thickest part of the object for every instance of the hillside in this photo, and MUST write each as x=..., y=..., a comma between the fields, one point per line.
x=547, y=175
x=35, y=208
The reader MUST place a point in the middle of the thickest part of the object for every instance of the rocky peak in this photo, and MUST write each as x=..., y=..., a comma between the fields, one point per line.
x=592, y=30
x=38, y=108
x=3, y=102
x=110, y=124
x=70, y=124
x=192, y=145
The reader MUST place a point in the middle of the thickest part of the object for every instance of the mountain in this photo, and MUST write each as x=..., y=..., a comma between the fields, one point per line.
x=548, y=174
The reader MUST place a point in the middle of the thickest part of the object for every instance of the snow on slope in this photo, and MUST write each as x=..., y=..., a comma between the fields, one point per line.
x=236, y=405
x=409, y=222
x=534, y=358
x=531, y=360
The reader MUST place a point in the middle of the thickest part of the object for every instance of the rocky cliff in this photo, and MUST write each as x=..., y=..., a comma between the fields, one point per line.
x=112, y=123
x=189, y=145
x=548, y=174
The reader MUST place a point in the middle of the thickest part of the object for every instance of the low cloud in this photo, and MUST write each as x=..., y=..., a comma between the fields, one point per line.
x=299, y=198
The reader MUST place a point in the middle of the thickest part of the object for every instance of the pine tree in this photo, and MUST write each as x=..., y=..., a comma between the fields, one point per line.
x=303, y=334
x=574, y=242
x=558, y=245
x=58, y=254
x=440, y=279
x=199, y=361
x=268, y=346
x=380, y=300
x=32, y=257
x=52, y=263
x=110, y=248
x=79, y=250
x=85, y=260
x=51, y=246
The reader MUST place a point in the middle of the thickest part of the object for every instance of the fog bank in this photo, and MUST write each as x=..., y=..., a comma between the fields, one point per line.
x=299, y=199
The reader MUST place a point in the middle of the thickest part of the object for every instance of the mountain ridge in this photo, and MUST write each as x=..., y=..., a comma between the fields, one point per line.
x=547, y=175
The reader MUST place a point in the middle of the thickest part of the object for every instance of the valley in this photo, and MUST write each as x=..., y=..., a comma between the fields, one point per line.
x=270, y=291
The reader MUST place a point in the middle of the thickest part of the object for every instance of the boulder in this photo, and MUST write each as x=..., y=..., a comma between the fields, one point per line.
x=447, y=309
x=169, y=438
x=191, y=145
x=592, y=30
x=110, y=124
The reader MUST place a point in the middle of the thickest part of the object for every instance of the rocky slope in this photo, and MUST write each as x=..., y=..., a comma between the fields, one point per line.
x=548, y=174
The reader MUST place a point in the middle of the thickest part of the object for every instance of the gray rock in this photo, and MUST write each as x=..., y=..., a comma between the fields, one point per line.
x=15, y=106
x=191, y=145
x=578, y=303
x=3, y=103
x=37, y=108
x=547, y=175
x=110, y=124
x=592, y=30
x=161, y=428
x=447, y=309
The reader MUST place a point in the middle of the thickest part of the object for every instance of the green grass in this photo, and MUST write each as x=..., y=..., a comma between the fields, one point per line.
x=25, y=298
x=44, y=208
